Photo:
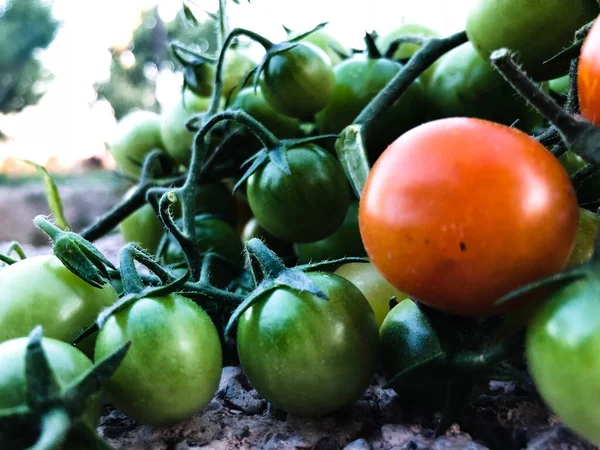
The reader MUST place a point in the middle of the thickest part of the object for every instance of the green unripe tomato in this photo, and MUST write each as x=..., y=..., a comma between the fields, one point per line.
x=252, y=230
x=176, y=137
x=563, y=354
x=173, y=366
x=40, y=290
x=357, y=81
x=326, y=42
x=238, y=65
x=345, y=241
x=66, y=362
x=560, y=85
x=213, y=234
x=136, y=135
x=583, y=249
x=305, y=206
x=142, y=226
x=215, y=199
x=405, y=51
x=407, y=338
x=374, y=287
x=253, y=103
x=465, y=85
x=535, y=30
x=298, y=82
x=307, y=355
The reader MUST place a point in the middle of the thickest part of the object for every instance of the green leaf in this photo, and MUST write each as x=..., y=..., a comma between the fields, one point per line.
x=352, y=154
x=52, y=196
x=41, y=382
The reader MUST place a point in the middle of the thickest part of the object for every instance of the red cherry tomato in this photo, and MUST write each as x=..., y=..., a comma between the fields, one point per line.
x=588, y=76
x=458, y=212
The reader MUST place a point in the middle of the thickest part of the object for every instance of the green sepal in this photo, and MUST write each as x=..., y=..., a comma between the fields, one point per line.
x=264, y=287
x=308, y=33
x=331, y=264
x=351, y=151
x=42, y=387
x=297, y=280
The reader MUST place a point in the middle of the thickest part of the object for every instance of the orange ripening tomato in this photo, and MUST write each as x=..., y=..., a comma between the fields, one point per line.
x=458, y=212
x=588, y=76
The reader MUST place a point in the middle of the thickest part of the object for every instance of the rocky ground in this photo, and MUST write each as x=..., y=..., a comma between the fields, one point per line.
x=508, y=416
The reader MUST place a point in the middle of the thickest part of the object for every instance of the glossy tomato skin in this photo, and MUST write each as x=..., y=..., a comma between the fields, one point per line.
x=407, y=338
x=463, y=84
x=305, y=206
x=173, y=366
x=523, y=27
x=238, y=65
x=478, y=209
x=67, y=363
x=357, y=81
x=298, y=82
x=176, y=137
x=585, y=238
x=405, y=51
x=213, y=234
x=306, y=355
x=253, y=229
x=563, y=342
x=136, y=135
x=40, y=290
x=345, y=241
x=588, y=74
x=253, y=103
x=142, y=226
x=377, y=290
x=328, y=43
x=560, y=85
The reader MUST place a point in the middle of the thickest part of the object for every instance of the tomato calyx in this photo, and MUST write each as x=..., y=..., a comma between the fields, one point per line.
x=372, y=51
x=57, y=415
x=198, y=73
x=76, y=253
x=269, y=273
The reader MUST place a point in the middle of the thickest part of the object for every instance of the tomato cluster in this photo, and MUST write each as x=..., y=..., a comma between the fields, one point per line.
x=256, y=218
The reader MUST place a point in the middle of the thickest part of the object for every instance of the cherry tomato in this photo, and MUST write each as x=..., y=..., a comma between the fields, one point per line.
x=215, y=199
x=176, y=137
x=298, y=82
x=458, y=212
x=142, y=226
x=524, y=28
x=375, y=288
x=345, y=241
x=305, y=206
x=238, y=65
x=585, y=238
x=405, y=51
x=326, y=42
x=357, y=81
x=173, y=367
x=307, y=355
x=66, y=362
x=588, y=76
x=253, y=103
x=254, y=230
x=563, y=354
x=40, y=290
x=136, y=135
x=463, y=84
x=560, y=85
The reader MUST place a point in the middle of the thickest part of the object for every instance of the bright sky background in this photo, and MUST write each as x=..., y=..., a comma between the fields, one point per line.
x=67, y=124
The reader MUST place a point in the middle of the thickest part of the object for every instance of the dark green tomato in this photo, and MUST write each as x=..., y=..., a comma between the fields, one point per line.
x=583, y=249
x=405, y=51
x=173, y=367
x=238, y=65
x=142, y=226
x=307, y=355
x=407, y=338
x=213, y=234
x=345, y=241
x=41, y=291
x=357, y=81
x=136, y=135
x=298, y=82
x=571, y=162
x=560, y=85
x=176, y=137
x=377, y=290
x=465, y=85
x=305, y=206
x=253, y=103
x=563, y=354
x=326, y=42
x=524, y=27
x=66, y=362
x=254, y=230
x=215, y=199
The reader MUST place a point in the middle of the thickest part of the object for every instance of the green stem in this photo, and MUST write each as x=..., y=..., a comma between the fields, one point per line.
x=572, y=105
x=48, y=227
x=483, y=360
x=417, y=64
x=132, y=283
x=396, y=43
x=268, y=262
x=372, y=50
